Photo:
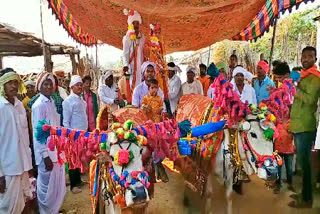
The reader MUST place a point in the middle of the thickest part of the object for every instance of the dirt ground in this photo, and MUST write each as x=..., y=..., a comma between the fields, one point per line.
x=169, y=197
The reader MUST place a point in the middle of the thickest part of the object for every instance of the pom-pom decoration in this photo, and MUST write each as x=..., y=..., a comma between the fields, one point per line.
x=125, y=12
x=142, y=140
x=116, y=126
x=271, y=118
x=268, y=134
x=128, y=125
x=123, y=157
x=103, y=146
x=120, y=133
x=129, y=135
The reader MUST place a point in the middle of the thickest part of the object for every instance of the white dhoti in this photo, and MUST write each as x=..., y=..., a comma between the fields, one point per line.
x=17, y=190
x=51, y=188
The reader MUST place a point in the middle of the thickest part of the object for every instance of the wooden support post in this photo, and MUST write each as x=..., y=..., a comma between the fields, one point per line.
x=48, y=65
x=96, y=56
x=272, y=42
x=74, y=64
x=47, y=59
x=209, y=55
x=1, y=65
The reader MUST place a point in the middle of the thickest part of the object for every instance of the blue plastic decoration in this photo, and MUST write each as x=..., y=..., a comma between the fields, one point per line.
x=207, y=128
x=133, y=181
x=76, y=135
x=104, y=137
x=125, y=173
x=87, y=134
x=184, y=147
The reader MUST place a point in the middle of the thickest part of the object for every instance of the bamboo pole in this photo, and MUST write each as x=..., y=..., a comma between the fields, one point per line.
x=1, y=65
x=96, y=56
x=209, y=56
x=46, y=51
x=272, y=42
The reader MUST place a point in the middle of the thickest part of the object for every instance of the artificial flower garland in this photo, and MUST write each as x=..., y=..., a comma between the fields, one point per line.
x=155, y=45
x=132, y=32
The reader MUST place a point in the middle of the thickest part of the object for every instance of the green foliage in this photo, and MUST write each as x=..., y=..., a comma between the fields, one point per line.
x=294, y=32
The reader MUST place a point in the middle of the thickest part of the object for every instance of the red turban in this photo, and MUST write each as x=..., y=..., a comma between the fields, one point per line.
x=264, y=66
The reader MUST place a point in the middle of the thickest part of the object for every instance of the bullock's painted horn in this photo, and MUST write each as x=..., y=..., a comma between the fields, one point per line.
x=208, y=128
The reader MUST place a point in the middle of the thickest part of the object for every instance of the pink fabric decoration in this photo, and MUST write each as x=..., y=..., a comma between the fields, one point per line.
x=134, y=174
x=228, y=101
x=51, y=145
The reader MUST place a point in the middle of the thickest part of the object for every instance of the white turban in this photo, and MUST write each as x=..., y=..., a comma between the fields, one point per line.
x=239, y=70
x=74, y=80
x=104, y=77
x=192, y=69
x=249, y=76
x=175, y=68
x=44, y=76
x=145, y=65
x=30, y=82
x=132, y=16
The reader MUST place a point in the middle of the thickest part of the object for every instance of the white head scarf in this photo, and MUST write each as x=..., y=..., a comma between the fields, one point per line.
x=132, y=16
x=189, y=68
x=249, y=76
x=145, y=65
x=44, y=76
x=175, y=68
x=30, y=82
x=103, y=78
x=240, y=70
x=74, y=80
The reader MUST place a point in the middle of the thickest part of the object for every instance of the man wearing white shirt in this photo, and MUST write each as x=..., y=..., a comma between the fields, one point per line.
x=133, y=43
x=75, y=117
x=51, y=185
x=192, y=86
x=108, y=92
x=174, y=86
x=245, y=91
x=148, y=73
x=15, y=153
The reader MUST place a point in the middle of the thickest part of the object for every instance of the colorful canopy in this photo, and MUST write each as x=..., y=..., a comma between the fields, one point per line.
x=186, y=24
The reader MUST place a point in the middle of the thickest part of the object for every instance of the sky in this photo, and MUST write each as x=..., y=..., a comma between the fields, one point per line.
x=24, y=15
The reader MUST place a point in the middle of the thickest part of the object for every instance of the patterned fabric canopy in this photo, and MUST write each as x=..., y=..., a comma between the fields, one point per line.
x=185, y=24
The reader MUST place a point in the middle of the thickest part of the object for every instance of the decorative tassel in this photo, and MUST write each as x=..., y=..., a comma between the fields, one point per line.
x=184, y=127
x=41, y=134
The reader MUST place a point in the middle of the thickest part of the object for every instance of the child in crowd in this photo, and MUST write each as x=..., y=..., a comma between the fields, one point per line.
x=152, y=104
x=284, y=143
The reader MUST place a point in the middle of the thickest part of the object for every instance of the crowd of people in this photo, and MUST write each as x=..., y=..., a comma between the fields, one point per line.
x=45, y=99
x=79, y=109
